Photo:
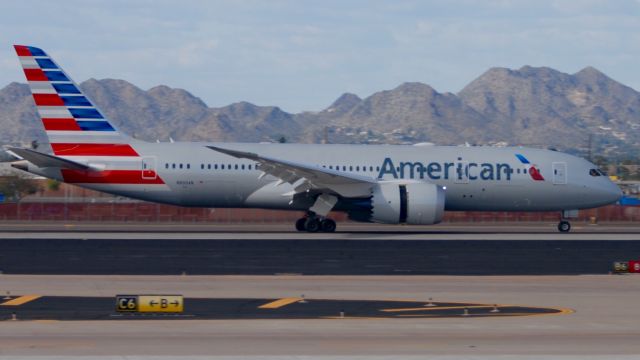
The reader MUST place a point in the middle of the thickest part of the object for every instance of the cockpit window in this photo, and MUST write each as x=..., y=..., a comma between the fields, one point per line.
x=594, y=172
x=602, y=172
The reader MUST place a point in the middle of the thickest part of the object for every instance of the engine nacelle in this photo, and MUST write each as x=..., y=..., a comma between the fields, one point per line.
x=410, y=203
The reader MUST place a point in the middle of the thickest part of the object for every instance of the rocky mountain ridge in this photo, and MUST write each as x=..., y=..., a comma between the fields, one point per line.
x=535, y=106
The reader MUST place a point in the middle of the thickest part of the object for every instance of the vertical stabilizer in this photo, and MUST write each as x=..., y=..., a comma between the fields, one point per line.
x=74, y=125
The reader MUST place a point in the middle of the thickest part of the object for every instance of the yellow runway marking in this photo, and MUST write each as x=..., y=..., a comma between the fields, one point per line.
x=279, y=303
x=460, y=315
x=20, y=300
x=439, y=308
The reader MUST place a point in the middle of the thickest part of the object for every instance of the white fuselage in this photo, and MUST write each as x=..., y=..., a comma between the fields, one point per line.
x=475, y=178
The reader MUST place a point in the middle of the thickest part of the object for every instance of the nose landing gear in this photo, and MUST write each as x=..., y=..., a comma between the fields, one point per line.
x=564, y=226
x=314, y=223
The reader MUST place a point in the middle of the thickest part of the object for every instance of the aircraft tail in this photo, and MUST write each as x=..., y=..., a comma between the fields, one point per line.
x=74, y=125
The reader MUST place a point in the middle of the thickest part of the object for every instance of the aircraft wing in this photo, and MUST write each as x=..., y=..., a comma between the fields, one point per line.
x=307, y=176
x=45, y=160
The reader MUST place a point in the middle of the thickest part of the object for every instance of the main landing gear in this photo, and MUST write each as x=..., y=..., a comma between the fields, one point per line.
x=313, y=223
x=316, y=219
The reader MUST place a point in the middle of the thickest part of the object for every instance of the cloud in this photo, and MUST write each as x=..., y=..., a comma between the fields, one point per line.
x=301, y=55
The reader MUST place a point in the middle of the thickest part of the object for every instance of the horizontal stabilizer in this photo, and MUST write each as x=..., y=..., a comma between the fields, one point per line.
x=45, y=160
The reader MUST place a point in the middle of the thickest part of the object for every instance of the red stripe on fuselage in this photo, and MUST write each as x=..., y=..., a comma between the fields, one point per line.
x=22, y=50
x=35, y=75
x=65, y=149
x=48, y=100
x=60, y=124
x=109, y=177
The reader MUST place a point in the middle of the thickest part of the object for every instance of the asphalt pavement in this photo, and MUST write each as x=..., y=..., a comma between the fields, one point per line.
x=176, y=256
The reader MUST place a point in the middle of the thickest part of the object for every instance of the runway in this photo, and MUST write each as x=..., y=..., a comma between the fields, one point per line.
x=470, y=250
x=76, y=273
x=313, y=257
x=346, y=231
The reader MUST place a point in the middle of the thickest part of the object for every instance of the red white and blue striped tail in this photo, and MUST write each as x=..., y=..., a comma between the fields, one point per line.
x=74, y=125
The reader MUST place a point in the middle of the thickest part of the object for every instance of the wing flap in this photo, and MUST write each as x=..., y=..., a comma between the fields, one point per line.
x=315, y=177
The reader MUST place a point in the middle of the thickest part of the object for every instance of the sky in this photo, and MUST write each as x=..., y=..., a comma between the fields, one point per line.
x=301, y=55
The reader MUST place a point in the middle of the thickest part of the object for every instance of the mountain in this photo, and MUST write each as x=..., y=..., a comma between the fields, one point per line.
x=411, y=112
x=545, y=106
x=18, y=119
x=529, y=106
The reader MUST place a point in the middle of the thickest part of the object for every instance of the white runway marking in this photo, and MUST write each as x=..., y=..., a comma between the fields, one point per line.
x=316, y=236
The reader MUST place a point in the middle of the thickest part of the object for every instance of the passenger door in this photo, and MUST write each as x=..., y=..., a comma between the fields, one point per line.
x=559, y=173
x=149, y=168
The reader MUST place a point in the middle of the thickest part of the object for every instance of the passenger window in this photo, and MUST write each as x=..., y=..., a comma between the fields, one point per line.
x=215, y=166
x=208, y=166
x=524, y=171
x=236, y=167
x=344, y=168
x=350, y=168
x=371, y=168
x=222, y=166
x=188, y=166
x=180, y=166
x=173, y=166
x=166, y=165
x=249, y=166
x=242, y=166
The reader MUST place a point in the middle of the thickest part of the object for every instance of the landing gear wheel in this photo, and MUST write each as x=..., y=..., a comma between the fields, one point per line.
x=564, y=226
x=312, y=225
x=300, y=224
x=328, y=225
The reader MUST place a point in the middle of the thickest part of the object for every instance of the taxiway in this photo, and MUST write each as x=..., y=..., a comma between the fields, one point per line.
x=597, y=312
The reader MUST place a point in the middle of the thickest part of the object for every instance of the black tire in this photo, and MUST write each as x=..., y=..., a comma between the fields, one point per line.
x=564, y=226
x=300, y=224
x=328, y=225
x=312, y=225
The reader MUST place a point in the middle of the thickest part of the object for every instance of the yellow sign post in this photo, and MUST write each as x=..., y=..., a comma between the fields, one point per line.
x=150, y=303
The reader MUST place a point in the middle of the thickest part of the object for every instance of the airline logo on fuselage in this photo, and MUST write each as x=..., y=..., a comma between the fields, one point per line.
x=534, y=172
x=458, y=171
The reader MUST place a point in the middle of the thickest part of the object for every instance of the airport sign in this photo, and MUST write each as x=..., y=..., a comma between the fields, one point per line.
x=150, y=303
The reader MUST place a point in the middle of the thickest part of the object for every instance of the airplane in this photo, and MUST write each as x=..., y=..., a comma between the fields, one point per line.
x=390, y=184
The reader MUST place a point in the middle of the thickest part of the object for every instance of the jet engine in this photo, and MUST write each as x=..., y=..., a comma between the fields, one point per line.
x=400, y=203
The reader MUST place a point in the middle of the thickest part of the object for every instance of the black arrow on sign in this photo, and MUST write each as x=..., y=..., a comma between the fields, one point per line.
x=175, y=303
x=152, y=303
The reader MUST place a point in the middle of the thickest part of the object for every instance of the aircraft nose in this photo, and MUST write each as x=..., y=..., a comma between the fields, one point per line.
x=611, y=192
